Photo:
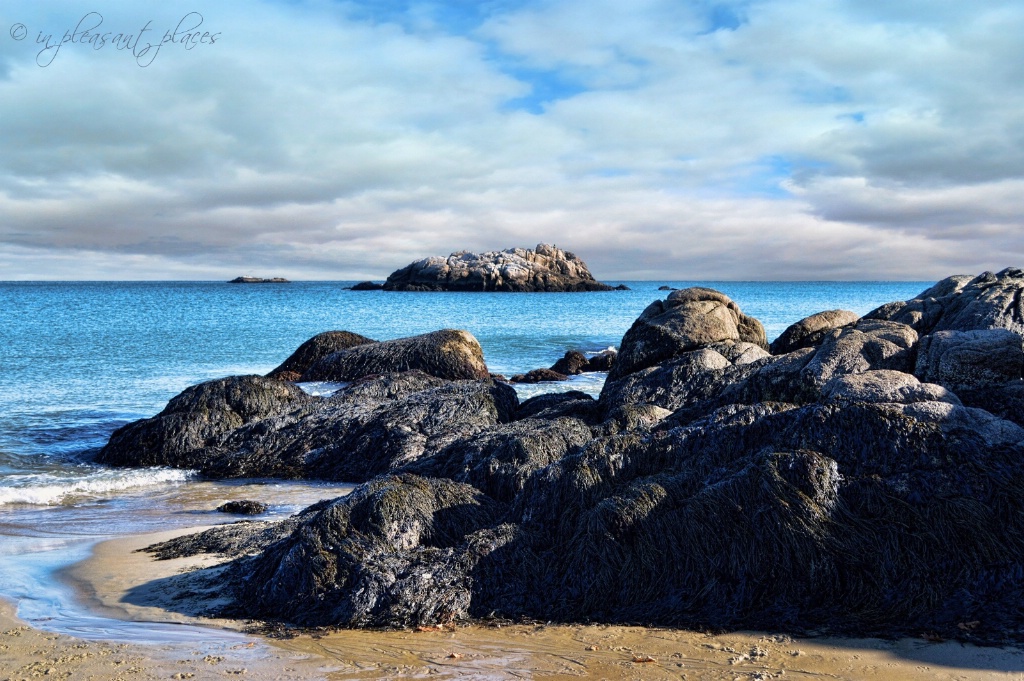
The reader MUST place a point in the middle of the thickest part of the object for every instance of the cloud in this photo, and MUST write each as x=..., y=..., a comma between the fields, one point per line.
x=318, y=139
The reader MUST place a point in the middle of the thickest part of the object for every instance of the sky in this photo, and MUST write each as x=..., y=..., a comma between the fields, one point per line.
x=656, y=139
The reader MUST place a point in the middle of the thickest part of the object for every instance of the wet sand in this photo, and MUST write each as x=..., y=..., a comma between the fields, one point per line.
x=132, y=586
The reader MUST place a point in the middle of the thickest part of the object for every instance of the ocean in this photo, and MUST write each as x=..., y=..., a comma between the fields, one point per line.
x=79, y=359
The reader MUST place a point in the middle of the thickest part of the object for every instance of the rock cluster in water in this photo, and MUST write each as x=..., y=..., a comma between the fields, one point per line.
x=544, y=268
x=862, y=475
x=258, y=280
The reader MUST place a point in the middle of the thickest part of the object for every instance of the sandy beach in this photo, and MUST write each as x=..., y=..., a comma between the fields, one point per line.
x=122, y=583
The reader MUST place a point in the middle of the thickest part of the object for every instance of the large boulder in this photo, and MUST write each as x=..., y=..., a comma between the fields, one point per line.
x=449, y=354
x=545, y=268
x=315, y=349
x=198, y=417
x=396, y=552
x=963, y=303
x=884, y=385
x=970, y=359
x=685, y=321
x=381, y=425
x=810, y=331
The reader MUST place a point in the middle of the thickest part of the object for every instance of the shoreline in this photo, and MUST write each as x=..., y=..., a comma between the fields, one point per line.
x=128, y=586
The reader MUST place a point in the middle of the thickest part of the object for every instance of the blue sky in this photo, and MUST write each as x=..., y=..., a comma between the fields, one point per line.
x=314, y=139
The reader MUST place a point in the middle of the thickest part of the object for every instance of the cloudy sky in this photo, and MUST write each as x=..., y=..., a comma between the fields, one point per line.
x=658, y=139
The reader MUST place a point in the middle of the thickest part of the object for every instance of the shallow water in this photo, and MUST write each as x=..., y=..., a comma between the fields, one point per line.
x=81, y=359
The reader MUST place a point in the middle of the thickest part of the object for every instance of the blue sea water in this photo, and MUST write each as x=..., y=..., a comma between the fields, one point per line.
x=78, y=359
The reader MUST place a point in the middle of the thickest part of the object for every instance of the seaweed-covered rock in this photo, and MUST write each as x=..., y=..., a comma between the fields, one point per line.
x=499, y=460
x=243, y=507
x=545, y=268
x=371, y=428
x=971, y=359
x=397, y=551
x=197, y=417
x=810, y=331
x=448, y=353
x=685, y=321
x=315, y=349
x=556, y=405
x=963, y=303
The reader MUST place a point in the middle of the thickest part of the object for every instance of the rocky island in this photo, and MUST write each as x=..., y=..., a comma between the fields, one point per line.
x=860, y=476
x=258, y=280
x=520, y=270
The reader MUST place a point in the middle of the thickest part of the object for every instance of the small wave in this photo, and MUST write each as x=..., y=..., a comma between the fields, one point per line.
x=47, y=489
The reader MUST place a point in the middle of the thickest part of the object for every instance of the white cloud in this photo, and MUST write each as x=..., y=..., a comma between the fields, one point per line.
x=817, y=140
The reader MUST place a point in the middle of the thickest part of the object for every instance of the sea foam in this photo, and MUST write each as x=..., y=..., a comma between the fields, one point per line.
x=48, y=489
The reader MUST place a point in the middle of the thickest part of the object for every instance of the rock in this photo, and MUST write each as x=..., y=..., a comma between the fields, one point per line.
x=257, y=280
x=667, y=288
x=538, y=376
x=396, y=552
x=687, y=320
x=367, y=286
x=448, y=354
x=1005, y=401
x=971, y=359
x=962, y=303
x=499, y=460
x=687, y=379
x=315, y=349
x=545, y=268
x=883, y=385
x=243, y=507
x=755, y=514
x=371, y=428
x=556, y=405
x=198, y=417
x=810, y=331
x=867, y=344
x=572, y=363
x=602, y=361
x=621, y=287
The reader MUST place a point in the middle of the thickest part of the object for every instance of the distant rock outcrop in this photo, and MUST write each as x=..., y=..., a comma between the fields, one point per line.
x=521, y=270
x=367, y=286
x=257, y=280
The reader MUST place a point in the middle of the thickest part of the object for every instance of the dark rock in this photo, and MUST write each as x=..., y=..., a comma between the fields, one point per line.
x=809, y=332
x=538, y=376
x=556, y=405
x=1005, y=401
x=198, y=417
x=315, y=349
x=449, y=354
x=545, y=268
x=499, y=460
x=245, y=537
x=667, y=288
x=371, y=428
x=970, y=359
x=572, y=363
x=687, y=379
x=602, y=361
x=243, y=507
x=257, y=280
x=685, y=321
x=621, y=287
x=396, y=552
x=963, y=303
x=367, y=286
